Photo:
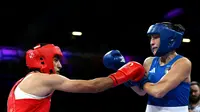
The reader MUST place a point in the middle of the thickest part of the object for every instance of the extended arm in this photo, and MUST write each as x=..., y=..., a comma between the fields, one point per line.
x=82, y=86
x=125, y=73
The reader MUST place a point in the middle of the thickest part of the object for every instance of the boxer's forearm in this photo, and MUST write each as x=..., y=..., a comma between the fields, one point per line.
x=101, y=84
x=153, y=90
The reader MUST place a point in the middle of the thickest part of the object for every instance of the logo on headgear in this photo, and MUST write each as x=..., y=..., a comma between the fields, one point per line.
x=31, y=54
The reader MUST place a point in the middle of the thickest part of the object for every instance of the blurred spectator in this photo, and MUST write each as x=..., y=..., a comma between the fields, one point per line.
x=194, y=105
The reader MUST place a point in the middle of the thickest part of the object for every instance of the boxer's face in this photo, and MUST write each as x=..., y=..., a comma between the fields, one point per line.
x=57, y=64
x=155, y=43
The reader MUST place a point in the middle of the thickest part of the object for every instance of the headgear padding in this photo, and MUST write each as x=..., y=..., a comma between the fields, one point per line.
x=169, y=38
x=41, y=57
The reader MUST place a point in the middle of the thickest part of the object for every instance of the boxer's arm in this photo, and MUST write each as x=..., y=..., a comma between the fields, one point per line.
x=58, y=82
x=132, y=70
x=146, y=65
x=178, y=73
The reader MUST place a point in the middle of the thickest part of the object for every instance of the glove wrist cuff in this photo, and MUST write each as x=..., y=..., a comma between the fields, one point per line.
x=143, y=81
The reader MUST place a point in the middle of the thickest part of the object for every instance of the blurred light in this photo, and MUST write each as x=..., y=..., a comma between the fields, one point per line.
x=9, y=52
x=174, y=13
x=76, y=33
x=9, y=58
x=128, y=58
x=64, y=60
x=67, y=53
x=21, y=53
x=186, y=40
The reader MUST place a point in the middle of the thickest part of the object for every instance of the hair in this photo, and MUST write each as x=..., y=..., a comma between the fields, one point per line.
x=176, y=27
x=195, y=83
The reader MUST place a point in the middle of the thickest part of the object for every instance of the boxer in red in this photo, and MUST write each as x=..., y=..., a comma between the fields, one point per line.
x=33, y=92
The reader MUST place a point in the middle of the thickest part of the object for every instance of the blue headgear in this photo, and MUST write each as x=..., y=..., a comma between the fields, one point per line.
x=169, y=38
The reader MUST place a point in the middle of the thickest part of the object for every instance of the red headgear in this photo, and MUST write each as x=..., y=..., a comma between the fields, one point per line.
x=41, y=57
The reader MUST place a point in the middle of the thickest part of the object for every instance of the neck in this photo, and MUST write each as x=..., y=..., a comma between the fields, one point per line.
x=166, y=58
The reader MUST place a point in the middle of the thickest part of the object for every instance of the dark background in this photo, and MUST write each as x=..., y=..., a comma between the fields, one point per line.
x=105, y=25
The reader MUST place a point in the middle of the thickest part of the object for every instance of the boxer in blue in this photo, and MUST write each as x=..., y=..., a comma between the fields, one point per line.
x=167, y=76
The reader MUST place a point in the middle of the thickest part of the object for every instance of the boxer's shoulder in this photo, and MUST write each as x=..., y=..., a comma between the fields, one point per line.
x=147, y=63
x=31, y=78
x=183, y=61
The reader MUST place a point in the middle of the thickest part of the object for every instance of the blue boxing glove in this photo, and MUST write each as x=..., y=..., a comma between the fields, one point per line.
x=113, y=60
x=131, y=83
x=140, y=84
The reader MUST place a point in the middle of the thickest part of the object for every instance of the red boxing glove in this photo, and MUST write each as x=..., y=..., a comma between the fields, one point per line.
x=131, y=71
